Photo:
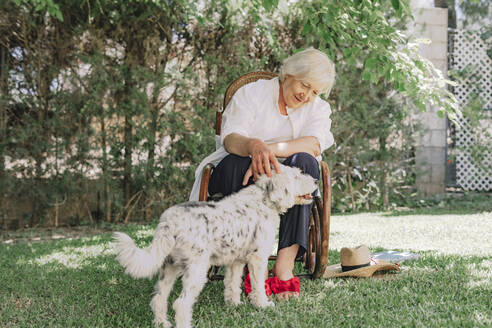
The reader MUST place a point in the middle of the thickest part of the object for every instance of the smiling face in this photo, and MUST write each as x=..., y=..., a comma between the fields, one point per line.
x=296, y=93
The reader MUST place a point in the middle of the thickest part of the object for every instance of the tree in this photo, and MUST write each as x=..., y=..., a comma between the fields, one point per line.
x=35, y=48
x=122, y=94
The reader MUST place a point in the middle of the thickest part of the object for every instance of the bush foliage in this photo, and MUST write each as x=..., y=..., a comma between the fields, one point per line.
x=107, y=106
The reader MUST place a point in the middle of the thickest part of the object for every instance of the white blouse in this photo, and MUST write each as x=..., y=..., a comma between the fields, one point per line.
x=253, y=112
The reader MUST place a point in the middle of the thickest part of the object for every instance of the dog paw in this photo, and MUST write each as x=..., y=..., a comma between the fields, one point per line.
x=262, y=304
x=162, y=324
x=267, y=304
x=234, y=302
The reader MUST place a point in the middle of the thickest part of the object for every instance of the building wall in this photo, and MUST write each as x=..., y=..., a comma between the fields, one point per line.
x=432, y=23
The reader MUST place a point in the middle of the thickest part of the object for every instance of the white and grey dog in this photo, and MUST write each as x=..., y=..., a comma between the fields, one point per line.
x=237, y=230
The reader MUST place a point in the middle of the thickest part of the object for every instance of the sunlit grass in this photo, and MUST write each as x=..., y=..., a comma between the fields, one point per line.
x=481, y=273
x=78, y=283
x=462, y=234
x=73, y=257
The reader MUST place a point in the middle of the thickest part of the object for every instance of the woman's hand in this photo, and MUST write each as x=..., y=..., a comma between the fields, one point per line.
x=261, y=158
x=262, y=155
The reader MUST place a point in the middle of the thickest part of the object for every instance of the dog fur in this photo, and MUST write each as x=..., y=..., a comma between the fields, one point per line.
x=190, y=237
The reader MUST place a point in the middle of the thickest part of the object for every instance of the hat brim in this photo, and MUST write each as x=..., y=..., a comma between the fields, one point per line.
x=335, y=270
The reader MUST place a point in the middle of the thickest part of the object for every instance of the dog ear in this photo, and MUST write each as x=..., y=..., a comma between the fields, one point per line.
x=280, y=191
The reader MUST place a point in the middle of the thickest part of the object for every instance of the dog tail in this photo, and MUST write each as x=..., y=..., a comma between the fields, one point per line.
x=140, y=263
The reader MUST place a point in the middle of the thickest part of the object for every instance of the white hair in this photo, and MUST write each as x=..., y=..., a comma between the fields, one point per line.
x=312, y=66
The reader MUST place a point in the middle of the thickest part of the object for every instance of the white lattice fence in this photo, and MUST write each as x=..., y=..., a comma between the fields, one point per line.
x=469, y=55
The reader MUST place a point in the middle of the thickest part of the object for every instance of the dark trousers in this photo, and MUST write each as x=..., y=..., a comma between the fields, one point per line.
x=228, y=176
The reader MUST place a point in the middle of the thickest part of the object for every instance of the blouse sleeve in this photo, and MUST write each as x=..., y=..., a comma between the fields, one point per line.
x=318, y=125
x=239, y=114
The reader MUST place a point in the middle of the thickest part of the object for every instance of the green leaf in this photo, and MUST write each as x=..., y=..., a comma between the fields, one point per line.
x=381, y=69
x=59, y=15
x=270, y=4
x=267, y=4
x=371, y=63
x=307, y=28
x=366, y=76
x=388, y=75
x=314, y=19
x=402, y=87
x=396, y=4
x=420, y=105
x=332, y=44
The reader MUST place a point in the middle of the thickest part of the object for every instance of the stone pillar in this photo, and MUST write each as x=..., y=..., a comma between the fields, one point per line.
x=430, y=156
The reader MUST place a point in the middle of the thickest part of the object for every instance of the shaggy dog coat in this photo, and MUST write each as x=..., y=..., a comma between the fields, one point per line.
x=191, y=237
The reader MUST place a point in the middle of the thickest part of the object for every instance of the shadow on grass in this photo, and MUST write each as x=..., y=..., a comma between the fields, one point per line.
x=469, y=203
x=94, y=294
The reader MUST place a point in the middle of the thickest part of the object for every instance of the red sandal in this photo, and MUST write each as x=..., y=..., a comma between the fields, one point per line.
x=279, y=286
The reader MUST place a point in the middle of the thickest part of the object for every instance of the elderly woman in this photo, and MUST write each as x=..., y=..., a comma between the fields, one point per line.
x=268, y=121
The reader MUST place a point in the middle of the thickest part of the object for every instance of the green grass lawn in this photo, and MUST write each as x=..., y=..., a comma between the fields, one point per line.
x=76, y=282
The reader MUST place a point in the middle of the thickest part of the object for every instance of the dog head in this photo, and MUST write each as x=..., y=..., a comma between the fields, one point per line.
x=288, y=188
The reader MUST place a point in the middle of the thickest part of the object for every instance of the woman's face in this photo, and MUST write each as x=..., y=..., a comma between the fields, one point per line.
x=297, y=93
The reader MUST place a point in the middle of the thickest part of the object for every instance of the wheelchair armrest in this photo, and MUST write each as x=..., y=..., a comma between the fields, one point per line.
x=206, y=173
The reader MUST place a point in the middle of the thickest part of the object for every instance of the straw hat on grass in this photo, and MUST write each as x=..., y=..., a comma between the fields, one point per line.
x=357, y=262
